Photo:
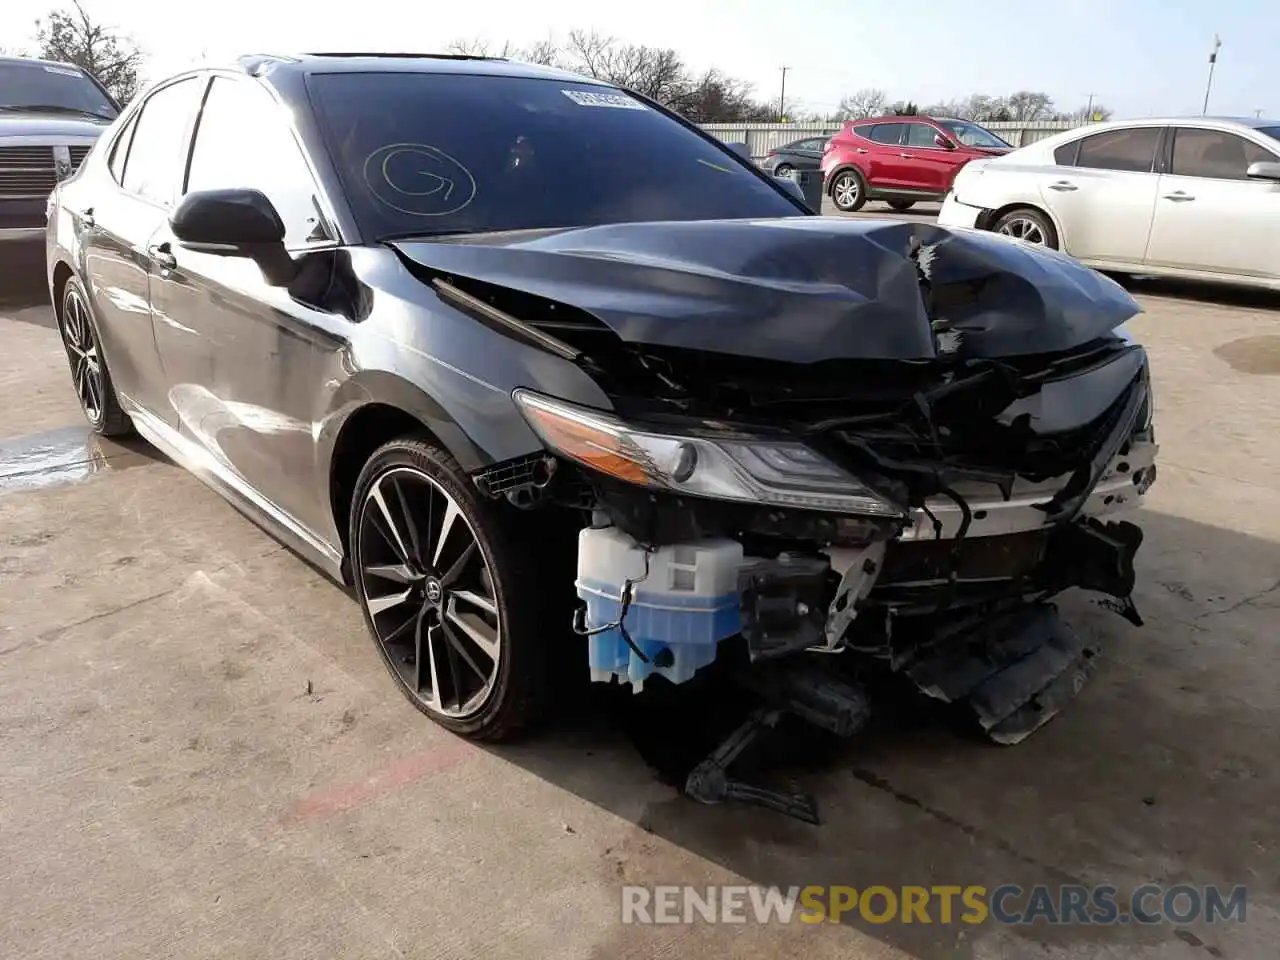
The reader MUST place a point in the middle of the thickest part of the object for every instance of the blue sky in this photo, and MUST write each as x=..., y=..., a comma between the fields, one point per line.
x=1140, y=57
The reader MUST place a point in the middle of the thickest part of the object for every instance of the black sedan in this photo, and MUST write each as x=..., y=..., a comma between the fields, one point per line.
x=803, y=154
x=575, y=388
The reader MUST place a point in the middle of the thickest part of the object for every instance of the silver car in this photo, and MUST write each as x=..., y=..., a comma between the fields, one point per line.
x=1194, y=198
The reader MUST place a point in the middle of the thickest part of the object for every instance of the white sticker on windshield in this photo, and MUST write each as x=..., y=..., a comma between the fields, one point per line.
x=63, y=71
x=588, y=98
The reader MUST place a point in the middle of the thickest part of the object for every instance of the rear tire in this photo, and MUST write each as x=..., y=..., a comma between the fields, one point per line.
x=783, y=170
x=848, y=191
x=902, y=206
x=1028, y=225
x=90, y=377
x=453, y=590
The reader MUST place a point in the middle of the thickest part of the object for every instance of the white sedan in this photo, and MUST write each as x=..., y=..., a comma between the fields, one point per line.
x=1195, y=198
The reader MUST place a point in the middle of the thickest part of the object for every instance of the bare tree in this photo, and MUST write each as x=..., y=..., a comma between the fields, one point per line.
x=1086, y=113
x=717, y=98
x=71, y=36
x=543, y=52
x=656, y=72
x=8, y=51
x=1028, y=105
x=867, y=102
x=479, y=47
x=904, y=108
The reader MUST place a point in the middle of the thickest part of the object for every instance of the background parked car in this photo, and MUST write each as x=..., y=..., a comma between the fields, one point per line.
x=50, y=115
x=1197, y=198
x=803, y=154
x=902, y=159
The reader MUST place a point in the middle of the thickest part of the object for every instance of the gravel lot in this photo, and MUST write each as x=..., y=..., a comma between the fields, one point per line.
x=200, y=754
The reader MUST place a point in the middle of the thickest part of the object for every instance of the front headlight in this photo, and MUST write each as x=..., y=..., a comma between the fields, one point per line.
x=782, y=473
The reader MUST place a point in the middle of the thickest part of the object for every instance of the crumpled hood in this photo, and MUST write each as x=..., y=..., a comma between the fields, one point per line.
x=800, y=289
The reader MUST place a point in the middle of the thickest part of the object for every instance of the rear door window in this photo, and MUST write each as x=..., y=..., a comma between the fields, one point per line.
x=886, y=132
x=1214, y=154
x=1132, y=150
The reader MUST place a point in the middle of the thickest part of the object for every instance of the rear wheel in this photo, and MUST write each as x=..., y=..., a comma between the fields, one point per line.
x=783, y=170
x=848, y=191
x=89, y=374
x=449, y=592
x=902, y=206
x=1029, y=226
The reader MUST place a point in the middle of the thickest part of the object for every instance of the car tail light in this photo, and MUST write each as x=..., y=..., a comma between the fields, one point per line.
x=772, y=153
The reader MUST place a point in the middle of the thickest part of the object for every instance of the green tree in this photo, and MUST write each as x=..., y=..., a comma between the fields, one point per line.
x=72, y=36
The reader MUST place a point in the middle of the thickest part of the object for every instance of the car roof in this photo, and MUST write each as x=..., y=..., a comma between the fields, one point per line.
x=895, y=118
x=365, y=62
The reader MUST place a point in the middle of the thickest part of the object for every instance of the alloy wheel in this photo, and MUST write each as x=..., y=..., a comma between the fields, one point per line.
x=82, y=352
x=846, y=190
x=1023, y=228
x=429, y=593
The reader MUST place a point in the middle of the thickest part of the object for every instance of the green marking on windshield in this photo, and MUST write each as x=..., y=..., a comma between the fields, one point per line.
x=715, y=166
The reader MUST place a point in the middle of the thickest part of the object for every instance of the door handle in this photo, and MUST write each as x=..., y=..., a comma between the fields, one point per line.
x=907, y=156
x=859, y=150
x=162, y=255
x=1178, y=196
x=1063, y=185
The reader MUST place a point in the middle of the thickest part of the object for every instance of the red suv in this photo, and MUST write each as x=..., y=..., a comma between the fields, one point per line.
x=901, y=159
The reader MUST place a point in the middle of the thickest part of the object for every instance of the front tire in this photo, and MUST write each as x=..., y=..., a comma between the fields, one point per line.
x=848, y=191
x=449, y=592
x=89, y=374
x=1029, y=226
x=901, y=206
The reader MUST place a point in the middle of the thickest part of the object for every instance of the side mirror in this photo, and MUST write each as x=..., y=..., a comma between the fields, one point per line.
x=943, y=142
x=235, y=223
x=1263, y=170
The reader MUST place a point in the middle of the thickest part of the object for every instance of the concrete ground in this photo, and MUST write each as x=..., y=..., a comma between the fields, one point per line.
x=201, y=756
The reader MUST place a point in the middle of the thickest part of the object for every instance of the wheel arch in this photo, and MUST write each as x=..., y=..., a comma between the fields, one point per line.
x=988, y=220
x=829, y=181
x=58, y=277
x=374, y=407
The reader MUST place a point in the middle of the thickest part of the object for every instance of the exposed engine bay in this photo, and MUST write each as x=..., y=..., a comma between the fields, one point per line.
x=910, y=441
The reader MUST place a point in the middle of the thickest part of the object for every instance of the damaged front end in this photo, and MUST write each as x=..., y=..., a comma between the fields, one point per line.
x=909, y=489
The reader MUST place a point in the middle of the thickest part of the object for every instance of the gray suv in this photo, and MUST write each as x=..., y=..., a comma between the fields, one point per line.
x=50, y=116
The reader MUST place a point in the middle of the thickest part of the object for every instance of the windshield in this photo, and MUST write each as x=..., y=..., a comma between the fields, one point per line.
x=972, y=135
x=423, y=153
x=52, y=86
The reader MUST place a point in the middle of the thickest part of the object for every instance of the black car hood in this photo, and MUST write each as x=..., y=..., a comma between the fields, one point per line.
x=799, y=289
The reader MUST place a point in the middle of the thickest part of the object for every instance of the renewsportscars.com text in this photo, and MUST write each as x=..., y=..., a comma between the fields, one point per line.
x=1008, y=904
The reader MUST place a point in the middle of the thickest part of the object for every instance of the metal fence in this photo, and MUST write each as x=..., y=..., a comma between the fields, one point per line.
x=760, y=138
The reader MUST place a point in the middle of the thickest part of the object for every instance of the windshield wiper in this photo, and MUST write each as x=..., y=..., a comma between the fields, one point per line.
x=51, y=108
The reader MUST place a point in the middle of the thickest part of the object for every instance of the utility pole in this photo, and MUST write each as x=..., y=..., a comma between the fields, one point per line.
x=1257, y=113
x=782, y=98
x=1088, y=111
x=1213, y=58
